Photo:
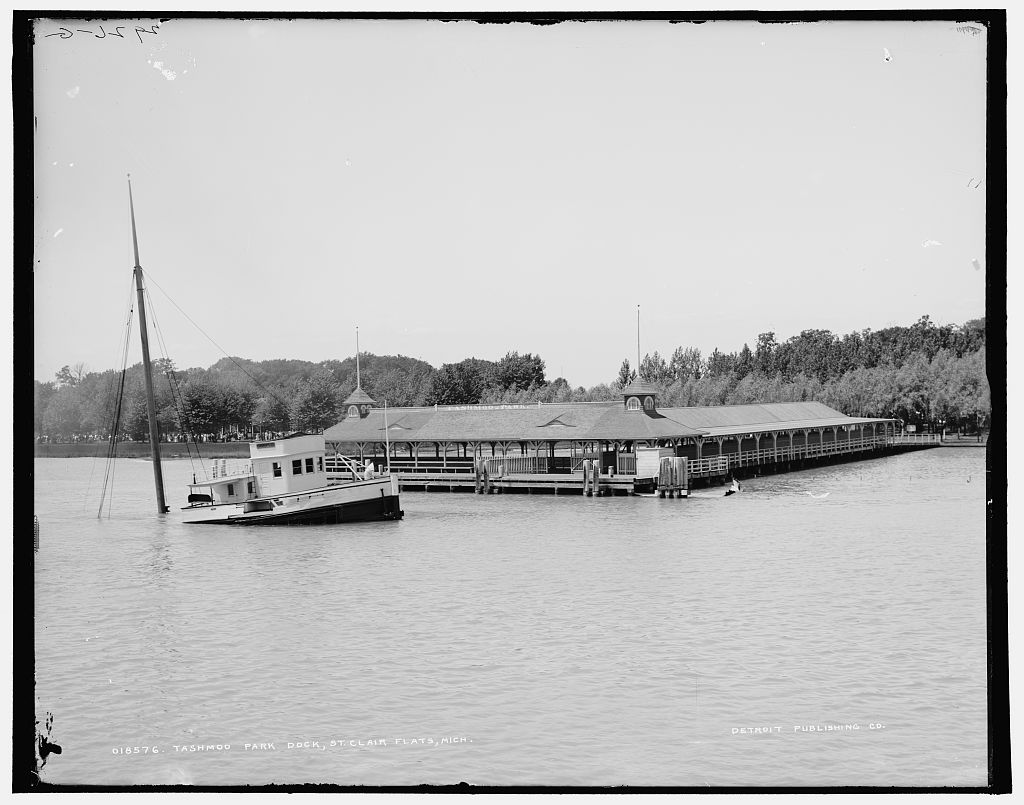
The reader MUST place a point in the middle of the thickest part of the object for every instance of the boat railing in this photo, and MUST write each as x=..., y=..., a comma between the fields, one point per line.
x=222, y=468
x=352, y=468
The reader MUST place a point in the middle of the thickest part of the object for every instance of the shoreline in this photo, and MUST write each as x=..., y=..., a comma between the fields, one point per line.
x=207, y=450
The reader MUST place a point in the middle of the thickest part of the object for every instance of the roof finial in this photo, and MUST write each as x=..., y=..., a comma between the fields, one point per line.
x=357, y=358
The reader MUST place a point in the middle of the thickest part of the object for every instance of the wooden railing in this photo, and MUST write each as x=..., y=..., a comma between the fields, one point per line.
x=498, y=466
x=767, y=455
x=916, y=438
x=716, y=465
x=404, y=465
x=627, y=464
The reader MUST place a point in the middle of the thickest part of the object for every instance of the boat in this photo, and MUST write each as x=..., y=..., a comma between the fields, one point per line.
x=284, y=482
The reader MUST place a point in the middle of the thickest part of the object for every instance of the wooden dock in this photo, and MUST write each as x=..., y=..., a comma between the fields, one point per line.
x=467, y=475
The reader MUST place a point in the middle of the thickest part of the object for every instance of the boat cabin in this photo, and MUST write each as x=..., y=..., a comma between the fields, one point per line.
x=280, y=467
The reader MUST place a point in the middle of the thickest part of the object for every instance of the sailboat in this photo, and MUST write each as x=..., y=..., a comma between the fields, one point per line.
x=284, y=481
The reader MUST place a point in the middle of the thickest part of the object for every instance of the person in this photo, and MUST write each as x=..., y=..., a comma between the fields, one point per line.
x=733, y=488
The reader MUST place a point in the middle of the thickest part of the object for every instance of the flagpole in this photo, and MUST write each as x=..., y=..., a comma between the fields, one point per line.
x=638, y=342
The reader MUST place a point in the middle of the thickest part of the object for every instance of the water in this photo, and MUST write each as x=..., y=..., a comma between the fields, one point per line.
x=553, y=640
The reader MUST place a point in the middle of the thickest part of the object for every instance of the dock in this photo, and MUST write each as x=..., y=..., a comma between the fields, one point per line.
x=601, y=449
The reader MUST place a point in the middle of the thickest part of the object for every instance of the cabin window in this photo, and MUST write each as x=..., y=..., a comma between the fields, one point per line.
x=231, y=490
x=277, y=469
x=248, y=487
x=297, y=467
x=319, y=463
x=353, y=410
x=633, y=404
x=309, y=464
x=649, y=403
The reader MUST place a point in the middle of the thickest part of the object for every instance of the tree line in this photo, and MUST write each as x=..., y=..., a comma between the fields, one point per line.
x=923, y=374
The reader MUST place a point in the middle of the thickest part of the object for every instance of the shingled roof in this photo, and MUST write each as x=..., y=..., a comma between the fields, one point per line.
x=725, y=420
x=580, y=422
x=359, y=397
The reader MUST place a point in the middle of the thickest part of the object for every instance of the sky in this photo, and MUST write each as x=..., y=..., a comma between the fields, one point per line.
x=457, y=189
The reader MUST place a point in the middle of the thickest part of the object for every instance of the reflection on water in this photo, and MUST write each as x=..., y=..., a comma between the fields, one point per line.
x=821, y=628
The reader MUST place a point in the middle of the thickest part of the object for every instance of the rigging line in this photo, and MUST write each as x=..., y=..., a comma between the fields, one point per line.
x=184, y=416
x=116, y=414
x=208, y=338
x=108, y=478
x=115, y=428
x=177, y=399
x=110, y=388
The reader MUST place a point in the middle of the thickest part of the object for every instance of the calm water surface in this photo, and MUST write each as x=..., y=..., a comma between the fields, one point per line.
x=551, y=640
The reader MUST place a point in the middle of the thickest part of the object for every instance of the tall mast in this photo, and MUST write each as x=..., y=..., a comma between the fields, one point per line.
x=154, y=436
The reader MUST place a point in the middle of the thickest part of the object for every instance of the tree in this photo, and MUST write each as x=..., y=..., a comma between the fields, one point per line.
x=66, y=377
x=317, y=404
x=519, y=371
x=63, y=415
x=654, y=369
x=626, y=376
x=461, y=383
x=686, y=363
x=719, y=363
x=394, y=387
x=134, y=414
x=200, y=407
x=744, y=362
x=273, y=412
x=764, y=353
x=43, y=394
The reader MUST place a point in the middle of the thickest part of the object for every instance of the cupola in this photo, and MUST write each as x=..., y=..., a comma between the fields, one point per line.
x=640, y=396
x=358, y=404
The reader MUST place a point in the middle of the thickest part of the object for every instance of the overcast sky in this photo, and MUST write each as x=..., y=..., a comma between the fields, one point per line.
x=457, y=189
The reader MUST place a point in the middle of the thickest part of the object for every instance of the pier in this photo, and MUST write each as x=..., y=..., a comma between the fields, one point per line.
x=607, y=448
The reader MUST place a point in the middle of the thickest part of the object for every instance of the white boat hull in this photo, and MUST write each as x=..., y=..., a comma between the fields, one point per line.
x=372, y=499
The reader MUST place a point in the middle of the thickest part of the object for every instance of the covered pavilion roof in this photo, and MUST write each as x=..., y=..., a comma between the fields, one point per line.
x=604, y=421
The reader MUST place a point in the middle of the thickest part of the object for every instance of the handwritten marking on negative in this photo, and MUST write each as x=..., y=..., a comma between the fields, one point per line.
x=67, y=33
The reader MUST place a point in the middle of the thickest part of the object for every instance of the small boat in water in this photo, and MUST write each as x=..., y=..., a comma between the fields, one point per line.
x=284, y=482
